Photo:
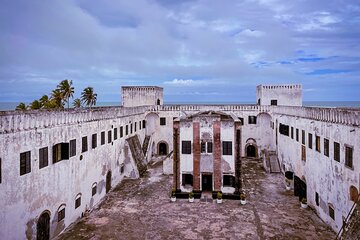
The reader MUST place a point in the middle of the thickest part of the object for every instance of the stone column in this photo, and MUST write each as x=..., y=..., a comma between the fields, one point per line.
x=196, y=156
x=176, y=154
x=217, y=156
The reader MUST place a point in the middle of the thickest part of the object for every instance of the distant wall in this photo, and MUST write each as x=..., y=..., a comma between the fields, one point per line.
x=283, y=95
x=141, y=96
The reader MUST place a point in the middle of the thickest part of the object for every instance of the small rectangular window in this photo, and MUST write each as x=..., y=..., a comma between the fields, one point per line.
x=94, y=141
x=303, y=152
x=336, y=151
x=139, y=125
x=126, y=129
x=273, y=102
x=78, y=202
x=318, y=144
x=135, y=126
x=25, y=163
x=84, y=145
x=144, y=123
x=303, y=137
x=209, y=147
x=186, y=147
x=203, y=147
x=102, y=138
x=61, y=151
x=317, y=199
x=252, y=120
x=109, y=136
x=121, y=132
x=93, y=190
x=326, y=147
x=331, y=212
x=284, y=129
x=292, y=132
x=72, y=147
x=297, y=135
x=115, y=133
x=228, y=181
x=310, y=141
x=162, y=121
x=61, y=214
x=43, y=157
x=131, y=128
x=349, y=157
x=187, y=179
x=227, y=148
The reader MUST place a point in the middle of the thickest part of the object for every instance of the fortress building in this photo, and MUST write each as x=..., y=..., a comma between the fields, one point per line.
x=55, y=166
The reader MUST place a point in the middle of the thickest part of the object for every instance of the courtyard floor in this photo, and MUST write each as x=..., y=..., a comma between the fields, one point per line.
x=141, y=209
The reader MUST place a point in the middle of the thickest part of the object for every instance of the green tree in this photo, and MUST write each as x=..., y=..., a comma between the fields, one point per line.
x=57, y=97
x=77, y=103
x=88, y=97
x=35, y=105
x=66, y=89
x=43, y=100
x=21, y=106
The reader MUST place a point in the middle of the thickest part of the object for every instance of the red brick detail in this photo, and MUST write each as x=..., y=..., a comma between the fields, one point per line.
x=196, y=155
x=176, y=155
x=217, y=156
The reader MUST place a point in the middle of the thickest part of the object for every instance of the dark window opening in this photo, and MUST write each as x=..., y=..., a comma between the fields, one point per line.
x=203, y=147
x=93, y=189
x=273, y=102
x=84, y=145
x=43, y=157
x=241, y=121
x=228, y=181
x=186, y=147
x=162, y=121
x=61, y=214
x=187, y=179
x=122, y=168
x=126, y=129
x=144, y=124
x=72, y=147
x=297, y=135
x=209, y=147
x=331, y=212
x=317, y=143
x=25, y=163
x=121, y=132
x=139, y=125
x=78, y=202
x=284, y=129
x=102, y=138
x=317, y=199
x=292, y=132
x=131, y=128
x=109, y=136
x=303, y=153
x=227, y=147
x=303, y=137
x=94, y=141
x=310, y=141
x=115, y=133
x=60, y=152
x=349, y=157
x=252, y=119
x=336, y=151
x=326, y=147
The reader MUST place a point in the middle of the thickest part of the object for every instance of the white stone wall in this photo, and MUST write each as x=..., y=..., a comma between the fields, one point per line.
x=186, y=160
x=141, y=96
x=286, y=94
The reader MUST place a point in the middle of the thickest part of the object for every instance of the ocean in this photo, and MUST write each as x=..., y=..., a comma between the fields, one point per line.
x=5, y=106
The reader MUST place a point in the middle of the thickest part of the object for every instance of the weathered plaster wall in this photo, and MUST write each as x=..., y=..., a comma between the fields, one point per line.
x=286, y=94
x=141, y=96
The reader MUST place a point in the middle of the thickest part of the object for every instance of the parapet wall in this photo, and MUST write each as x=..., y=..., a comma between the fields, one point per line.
x=141, y=96
x=284, y=94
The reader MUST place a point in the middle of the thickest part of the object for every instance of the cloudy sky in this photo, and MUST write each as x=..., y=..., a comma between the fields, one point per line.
x=199, y=51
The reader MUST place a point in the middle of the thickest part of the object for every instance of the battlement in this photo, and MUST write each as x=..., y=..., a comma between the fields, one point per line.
x=133, y=96
x=279, y=94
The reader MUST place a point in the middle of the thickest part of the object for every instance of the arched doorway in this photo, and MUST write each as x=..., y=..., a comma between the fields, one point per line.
x=300, y=188
x=108, y=181
x=43, y=227
x=354, y=193
x=162, y=149
x=251, y=151
x=158, y=102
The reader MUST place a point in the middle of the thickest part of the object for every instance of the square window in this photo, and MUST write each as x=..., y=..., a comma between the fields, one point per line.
x=187, y=179
x=43, y=157
x=228, y=181
x=61, y=152
x=186, y=147
x=25, y=163
x=227, y=147
x=273, y=102
x=252, y=119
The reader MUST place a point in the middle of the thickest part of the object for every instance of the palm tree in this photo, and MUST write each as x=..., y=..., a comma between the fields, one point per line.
x=43, y=100
x=21, y=106
x=77, y=103
x=58, y=98
x=88, y=97
x=67, y=90
x=35, y=105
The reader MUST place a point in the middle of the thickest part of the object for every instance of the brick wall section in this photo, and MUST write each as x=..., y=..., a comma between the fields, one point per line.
x=176, y=154
x=217, y=156
x=196, y=155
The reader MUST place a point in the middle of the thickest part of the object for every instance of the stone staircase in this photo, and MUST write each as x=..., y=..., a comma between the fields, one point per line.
x=137, y=153
x=273, y=162
x=351, y=228
x=146, y=144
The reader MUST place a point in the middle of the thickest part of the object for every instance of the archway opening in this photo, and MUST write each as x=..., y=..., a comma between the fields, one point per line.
x=354, y=194
x=251, y=151
x=43, y=227
x=108, y=181
x=300, y=188
x=158, y=102
x=163, y=149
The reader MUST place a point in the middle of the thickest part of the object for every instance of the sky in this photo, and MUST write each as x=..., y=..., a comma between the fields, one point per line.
x=199, y=51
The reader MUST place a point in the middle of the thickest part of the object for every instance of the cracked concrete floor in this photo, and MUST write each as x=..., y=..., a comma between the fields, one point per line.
x=140, y=209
